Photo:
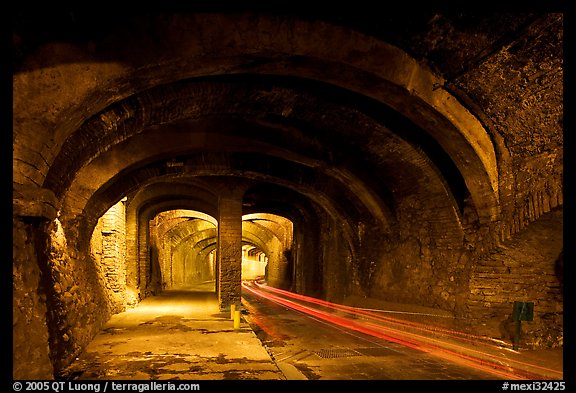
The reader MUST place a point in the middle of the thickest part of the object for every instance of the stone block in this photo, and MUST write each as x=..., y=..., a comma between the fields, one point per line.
x=34, y=203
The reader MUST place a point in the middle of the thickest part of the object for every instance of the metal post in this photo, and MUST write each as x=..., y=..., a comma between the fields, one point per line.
x=236, y=319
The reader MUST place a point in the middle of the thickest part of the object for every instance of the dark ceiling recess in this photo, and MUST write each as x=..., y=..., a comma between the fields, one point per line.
x=381, y=113
x=443, y=39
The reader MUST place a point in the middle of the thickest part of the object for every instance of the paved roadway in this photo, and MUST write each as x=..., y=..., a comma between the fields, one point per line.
x=306, y=347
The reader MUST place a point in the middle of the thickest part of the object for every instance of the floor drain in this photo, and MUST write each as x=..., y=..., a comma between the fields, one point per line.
x=332, y=353
x=374, y=351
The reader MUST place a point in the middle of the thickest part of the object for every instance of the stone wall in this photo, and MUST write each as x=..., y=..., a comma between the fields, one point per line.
x=229, y=252
x=336, y=261
x=108, y=249
x=279, y=266
x=526, y=268
x=63, y=295
x=186, y=268
x=30, y=351
x=78, y=299
x=542, y=191
x=477, y=276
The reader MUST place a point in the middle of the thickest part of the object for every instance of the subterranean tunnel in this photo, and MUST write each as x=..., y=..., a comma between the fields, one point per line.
x=414, y=158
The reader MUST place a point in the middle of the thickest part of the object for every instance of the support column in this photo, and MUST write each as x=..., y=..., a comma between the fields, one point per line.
x=229, y=251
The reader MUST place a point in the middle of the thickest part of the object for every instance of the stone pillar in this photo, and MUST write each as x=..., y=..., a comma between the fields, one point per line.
x=229, y=251
x=113, y=263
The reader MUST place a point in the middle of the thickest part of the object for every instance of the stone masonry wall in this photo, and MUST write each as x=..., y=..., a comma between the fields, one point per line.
x=229, y=252
x=486, y=267
x=526, y=268
x=108, y=248
x=336, y=262
x=30, y=354
x=77, y=298
x=542, y=178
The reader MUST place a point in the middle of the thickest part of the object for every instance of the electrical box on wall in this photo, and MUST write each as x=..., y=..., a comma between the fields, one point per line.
x=523, y=311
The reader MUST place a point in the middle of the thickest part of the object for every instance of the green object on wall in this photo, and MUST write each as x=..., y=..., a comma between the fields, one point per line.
x=523, y=311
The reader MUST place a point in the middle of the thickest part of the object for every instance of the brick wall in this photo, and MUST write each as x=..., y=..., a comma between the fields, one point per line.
x=108, y=248
x=229, y=251
x=525, y=268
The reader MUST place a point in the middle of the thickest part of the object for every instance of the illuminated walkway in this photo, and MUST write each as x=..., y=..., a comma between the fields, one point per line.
x=176, y=335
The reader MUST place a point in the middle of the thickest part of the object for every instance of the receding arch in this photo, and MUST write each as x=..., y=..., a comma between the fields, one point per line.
x=182, y=231
x=395, y=79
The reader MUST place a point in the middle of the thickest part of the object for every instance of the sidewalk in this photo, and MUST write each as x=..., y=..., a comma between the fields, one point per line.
x=175, y=335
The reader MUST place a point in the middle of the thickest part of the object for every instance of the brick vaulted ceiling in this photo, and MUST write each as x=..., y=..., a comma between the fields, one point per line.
x=501, y=64
x=505, y=69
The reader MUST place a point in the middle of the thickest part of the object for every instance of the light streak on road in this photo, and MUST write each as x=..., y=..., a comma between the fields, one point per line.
x=376, y=315
x=388, y=328
x=341, y=321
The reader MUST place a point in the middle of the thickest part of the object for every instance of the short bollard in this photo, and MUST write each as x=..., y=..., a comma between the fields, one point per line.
x=236, y=319
x=232, y=309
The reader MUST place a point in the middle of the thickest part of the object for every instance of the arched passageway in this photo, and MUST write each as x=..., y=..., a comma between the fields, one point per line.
x=155, y=152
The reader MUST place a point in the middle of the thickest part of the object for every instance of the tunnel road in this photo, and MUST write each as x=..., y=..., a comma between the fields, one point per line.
x=313, y=339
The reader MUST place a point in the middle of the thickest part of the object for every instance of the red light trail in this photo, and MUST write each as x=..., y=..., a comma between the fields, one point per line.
x=374, y=324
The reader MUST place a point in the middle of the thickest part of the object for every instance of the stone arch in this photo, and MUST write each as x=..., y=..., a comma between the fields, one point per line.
x=271, y=240
x=379, y=70
x=183, y=238
x=345, y=170
x=152, y=199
